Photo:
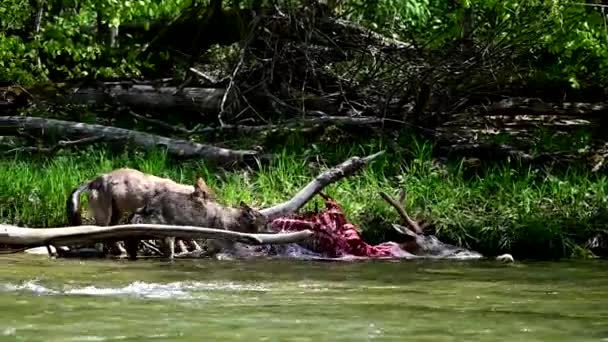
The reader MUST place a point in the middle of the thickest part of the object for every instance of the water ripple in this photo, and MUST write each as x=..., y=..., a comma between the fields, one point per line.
x=174, y=290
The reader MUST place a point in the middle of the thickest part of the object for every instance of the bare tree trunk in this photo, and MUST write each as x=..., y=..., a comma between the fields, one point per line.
x=99, y=24
x=37, y=12
x=41, y=127
x=113, y=36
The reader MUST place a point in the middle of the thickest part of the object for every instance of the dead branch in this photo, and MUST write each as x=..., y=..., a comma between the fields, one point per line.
x=230, y=85
x=151, y=247
x=292, y=125
x=327, y=177
x=195, y=245
x=497, y=152
x=519, y=106
x=209, y=79
x=181, y=246
x=399, y=206
x=351, y=34
x=42, y=127
x=35, y=237
x=297, y=125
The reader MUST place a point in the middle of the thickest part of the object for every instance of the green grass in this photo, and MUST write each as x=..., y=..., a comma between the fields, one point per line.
x=523, y=211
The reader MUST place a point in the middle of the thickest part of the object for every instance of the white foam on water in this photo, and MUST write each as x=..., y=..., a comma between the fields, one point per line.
x=28, y=286
x=95, y=338
x=138, y=289
x=87, y=338
x=12, y=331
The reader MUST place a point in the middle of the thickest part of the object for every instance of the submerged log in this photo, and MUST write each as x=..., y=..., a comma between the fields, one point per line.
x=19, y=238
x=41, y=127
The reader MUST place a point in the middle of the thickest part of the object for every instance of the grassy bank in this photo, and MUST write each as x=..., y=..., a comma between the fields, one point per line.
x=525, y=212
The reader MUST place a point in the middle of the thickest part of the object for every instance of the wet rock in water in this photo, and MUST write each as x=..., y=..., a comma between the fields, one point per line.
x=507, y=258
x=598, y=244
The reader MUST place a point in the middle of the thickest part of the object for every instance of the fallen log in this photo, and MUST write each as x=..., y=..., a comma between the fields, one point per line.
x=40, y=127
x=143, y=97
x=19, y=237
x=325, y=178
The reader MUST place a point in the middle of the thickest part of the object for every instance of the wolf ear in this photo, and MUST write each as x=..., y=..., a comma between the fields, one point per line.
x=249, y=211
x=244, y=206
x=252, y=213
x=200, y=189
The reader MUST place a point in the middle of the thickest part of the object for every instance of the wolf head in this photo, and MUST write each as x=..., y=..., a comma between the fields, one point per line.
x=251, y=220
x=248, y=220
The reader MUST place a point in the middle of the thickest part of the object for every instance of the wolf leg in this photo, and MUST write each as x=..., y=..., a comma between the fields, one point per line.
x=105, y=214
x=169, y=247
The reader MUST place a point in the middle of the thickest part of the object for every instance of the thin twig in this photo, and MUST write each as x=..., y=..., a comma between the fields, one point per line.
x=203, y=76
x=230, y=85
x=151, y=247
x=294, y=124
x=236, y=70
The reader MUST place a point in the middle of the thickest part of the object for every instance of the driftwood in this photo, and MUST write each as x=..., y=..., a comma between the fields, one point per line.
x=327, y=177
x=36, y=126
x=35, y=237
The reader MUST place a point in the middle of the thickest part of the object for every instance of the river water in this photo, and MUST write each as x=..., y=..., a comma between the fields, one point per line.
x=280, y=300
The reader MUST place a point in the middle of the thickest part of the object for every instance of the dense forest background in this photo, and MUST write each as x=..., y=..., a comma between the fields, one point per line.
x=491, y=111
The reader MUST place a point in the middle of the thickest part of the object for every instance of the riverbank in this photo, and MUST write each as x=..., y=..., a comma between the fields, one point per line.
x=525, y=212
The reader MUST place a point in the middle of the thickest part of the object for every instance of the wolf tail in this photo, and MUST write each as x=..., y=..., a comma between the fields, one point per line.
x=73, y=202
